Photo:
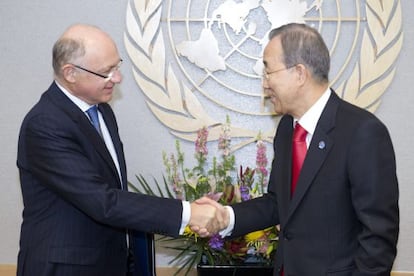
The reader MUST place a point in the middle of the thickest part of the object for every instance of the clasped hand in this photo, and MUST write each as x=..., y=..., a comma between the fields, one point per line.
x=208, y=217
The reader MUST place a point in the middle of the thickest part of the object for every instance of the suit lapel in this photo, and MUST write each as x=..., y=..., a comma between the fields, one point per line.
x=73, y=112
x=110, y=122
x=319, y=149
x=286, y=170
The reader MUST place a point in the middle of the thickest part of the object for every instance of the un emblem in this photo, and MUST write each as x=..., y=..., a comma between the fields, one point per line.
x=195, y=60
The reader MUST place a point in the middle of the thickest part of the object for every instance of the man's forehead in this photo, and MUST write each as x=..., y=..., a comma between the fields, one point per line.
x=272, y=52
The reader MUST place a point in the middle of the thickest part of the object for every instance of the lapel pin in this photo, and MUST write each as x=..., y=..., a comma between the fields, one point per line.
x=321, y=145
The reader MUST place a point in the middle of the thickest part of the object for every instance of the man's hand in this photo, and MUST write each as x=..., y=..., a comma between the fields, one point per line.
x=208, y=217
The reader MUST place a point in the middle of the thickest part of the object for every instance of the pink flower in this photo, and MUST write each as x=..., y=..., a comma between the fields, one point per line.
x=225, y=139
x=201, y=141
x=261, y=160
x=177, y=183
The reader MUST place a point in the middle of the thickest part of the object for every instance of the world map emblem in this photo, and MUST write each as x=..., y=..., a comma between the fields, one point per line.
x=199, y=61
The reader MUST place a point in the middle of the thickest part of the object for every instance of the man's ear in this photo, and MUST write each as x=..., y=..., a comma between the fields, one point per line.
x=303, y=73
x=69, y=73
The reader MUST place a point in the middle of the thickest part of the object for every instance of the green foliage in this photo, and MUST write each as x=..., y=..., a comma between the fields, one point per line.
x=222, y=182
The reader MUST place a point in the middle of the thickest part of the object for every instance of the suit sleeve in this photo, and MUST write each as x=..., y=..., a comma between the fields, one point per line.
x=64, y=160
x=374, y=191
x=262, y=212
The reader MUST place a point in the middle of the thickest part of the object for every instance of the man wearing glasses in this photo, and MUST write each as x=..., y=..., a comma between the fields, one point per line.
x=77, y=210
x=333, y=187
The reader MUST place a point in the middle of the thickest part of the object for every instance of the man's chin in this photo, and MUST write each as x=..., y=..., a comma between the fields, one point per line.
x=276, y=108
x=107, y=98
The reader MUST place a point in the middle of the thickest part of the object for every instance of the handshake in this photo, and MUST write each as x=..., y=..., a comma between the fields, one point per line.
x=208, y=217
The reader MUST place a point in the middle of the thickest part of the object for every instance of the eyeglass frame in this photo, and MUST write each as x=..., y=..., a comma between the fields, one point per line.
x=106, y=77
x=266, y=75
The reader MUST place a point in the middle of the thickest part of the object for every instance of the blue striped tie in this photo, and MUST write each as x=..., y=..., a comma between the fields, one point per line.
x=93, y=115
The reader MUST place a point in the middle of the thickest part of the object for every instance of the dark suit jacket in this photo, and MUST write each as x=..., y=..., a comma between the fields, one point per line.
x=343, y=218
x=75, y=214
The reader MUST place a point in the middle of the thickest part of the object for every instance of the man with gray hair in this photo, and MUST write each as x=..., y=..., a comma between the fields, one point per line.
x=77, y=210
x=333, y=186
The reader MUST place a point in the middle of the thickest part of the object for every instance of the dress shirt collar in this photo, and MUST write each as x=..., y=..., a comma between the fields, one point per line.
x=77, y=101
x=310, y=119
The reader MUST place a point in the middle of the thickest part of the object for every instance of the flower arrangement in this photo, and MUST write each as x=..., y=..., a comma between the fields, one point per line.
x=223, y=182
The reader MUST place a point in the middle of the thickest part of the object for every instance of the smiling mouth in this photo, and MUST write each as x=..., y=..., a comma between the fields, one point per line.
x=269, y=96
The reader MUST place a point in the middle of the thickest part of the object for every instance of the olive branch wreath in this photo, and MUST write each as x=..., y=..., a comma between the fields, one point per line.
x=175, y=105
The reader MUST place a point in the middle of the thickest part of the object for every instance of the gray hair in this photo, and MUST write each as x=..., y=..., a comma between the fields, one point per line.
x=66, y=50
x=303, y=44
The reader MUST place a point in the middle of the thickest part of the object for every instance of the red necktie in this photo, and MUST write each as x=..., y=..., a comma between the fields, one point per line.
x=298, y=153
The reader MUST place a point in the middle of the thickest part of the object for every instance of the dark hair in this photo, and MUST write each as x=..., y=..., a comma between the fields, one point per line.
x=66, y=50
x=303, y=44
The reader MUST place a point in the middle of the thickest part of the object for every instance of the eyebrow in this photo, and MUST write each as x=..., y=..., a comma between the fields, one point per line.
x=110, y=67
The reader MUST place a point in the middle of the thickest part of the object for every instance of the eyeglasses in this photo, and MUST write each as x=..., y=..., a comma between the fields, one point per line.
x=266, y=75
x=106, y=77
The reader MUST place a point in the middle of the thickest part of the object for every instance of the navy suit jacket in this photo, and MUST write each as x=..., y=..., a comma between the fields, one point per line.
x=343, y=218
x=75, y=214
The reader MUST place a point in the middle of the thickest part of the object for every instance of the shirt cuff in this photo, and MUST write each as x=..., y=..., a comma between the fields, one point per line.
x=185, y=217
x=227, y=231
